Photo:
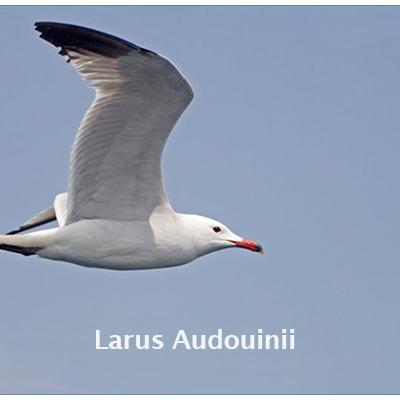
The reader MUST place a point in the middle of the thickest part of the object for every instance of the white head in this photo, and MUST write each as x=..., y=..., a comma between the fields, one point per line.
x=207, y=235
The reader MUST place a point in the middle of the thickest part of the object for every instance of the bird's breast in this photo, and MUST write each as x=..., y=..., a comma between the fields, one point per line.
x=116, y=245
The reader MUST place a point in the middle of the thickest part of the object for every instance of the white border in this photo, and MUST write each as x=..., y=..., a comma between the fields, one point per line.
x=206, y=2
x=199, y=397
x=203, y=3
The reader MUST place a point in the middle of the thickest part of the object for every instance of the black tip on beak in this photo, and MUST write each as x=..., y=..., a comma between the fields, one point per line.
x=258, y=248
x=248, y=244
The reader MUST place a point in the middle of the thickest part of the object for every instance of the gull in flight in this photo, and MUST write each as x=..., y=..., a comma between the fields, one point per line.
x=116, y=214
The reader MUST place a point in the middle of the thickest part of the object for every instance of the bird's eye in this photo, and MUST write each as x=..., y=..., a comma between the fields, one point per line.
x=217, y=229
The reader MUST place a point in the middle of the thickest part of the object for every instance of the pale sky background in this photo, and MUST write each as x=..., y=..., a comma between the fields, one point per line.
x=292, y=140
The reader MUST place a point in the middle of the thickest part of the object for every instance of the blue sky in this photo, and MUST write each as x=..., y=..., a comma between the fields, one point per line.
x=292, y=140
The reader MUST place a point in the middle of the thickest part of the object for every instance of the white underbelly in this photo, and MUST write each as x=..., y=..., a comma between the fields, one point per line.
x=112, y=245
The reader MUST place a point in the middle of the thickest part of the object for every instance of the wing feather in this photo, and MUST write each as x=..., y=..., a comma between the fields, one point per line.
x=115, y=168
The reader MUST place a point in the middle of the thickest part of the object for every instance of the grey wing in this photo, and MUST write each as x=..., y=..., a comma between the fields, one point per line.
x=115, y=170
x=44, y=217
x=58, y=211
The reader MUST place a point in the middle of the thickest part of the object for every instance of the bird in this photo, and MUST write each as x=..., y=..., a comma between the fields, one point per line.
x=116, y=213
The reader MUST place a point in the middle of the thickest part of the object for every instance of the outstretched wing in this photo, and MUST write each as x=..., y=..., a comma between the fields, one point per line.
x=115, y=170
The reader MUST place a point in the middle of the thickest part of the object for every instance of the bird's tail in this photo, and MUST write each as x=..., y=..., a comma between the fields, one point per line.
x=28, y=244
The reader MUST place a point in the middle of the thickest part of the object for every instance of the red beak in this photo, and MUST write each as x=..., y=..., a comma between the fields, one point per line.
x=249, y=244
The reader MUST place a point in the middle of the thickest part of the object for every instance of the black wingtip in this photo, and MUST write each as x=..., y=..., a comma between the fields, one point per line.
x=79, y=39
x=29, y=226
x=14, y=232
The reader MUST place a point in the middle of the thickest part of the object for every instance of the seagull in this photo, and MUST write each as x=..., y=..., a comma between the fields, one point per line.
x=116, y=214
